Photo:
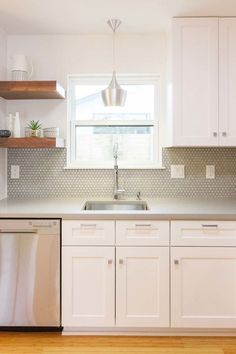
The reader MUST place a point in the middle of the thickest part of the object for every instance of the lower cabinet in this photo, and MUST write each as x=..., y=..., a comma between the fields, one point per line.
x=115, y=280
x=142, y=286
x=203, y=287
x=88, y=285
x=100, y=289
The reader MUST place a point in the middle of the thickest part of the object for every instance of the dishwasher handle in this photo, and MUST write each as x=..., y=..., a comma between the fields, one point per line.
x=17, y=231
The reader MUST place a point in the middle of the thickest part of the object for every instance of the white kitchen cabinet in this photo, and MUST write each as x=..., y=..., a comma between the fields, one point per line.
x=195, y=81
x=227, y=81
x=203, y=99
x=142, y=286
x=203, y=287
x=130, y=283
x=88, y=284
x=142, y=274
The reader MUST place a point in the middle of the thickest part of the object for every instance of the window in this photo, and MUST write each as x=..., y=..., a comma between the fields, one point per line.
x=94, y=128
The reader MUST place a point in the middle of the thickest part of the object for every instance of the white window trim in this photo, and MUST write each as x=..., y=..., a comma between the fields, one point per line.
x=104, y=79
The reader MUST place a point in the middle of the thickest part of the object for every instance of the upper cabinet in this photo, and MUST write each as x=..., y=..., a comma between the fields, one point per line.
x=195, y=81
x=227, y=81
x=204, y=82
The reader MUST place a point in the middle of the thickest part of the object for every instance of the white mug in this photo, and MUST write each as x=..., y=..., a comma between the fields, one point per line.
x=22, y=68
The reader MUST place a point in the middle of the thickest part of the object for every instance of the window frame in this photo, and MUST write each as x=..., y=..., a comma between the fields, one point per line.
x=104, y=80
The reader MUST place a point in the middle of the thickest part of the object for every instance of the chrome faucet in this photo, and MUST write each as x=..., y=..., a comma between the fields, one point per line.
x=118, y=192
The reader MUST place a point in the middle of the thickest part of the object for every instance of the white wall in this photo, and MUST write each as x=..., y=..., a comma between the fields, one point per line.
x=3, y=172
x=54, y=57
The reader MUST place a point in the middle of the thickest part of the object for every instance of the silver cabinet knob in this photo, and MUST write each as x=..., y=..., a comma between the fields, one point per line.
x=214, y=133
x=121, y=261
x=110, y=261
x=224, y=134
x=176, y=261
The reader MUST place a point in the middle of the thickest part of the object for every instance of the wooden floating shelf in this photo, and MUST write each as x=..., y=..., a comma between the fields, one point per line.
x=32, y=143
x=31, y=90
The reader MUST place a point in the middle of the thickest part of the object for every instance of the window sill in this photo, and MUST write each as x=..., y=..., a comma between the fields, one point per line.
x=76, y=167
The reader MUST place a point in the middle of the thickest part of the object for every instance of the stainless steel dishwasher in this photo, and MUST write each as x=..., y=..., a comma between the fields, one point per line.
x=29, y=273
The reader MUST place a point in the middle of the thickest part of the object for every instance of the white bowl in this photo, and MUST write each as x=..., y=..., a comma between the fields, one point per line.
x=51, y=132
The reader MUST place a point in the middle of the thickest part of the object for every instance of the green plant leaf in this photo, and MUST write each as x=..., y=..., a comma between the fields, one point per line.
x=34, y=125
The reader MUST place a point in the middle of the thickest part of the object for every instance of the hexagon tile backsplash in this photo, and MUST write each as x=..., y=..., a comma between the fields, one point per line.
x=42, y=174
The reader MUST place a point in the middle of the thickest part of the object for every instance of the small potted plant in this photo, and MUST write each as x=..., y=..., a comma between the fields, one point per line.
x=34, y=128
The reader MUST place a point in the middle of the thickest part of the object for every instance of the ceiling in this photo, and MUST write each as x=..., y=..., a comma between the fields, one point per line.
x=89, y=16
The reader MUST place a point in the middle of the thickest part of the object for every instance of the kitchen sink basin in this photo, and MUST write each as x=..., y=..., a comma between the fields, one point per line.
x=115, y=205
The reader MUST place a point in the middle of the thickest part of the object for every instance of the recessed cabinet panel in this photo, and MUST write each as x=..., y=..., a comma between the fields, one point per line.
x=227, y=81
x=88, y=232
x=203, y=287
x=142, y=289
x=203, y=233
x=142, y=232
x=195, y=81
x=88, y=286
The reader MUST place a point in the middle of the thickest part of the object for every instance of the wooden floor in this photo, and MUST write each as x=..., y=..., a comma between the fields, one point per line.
x=46, y=343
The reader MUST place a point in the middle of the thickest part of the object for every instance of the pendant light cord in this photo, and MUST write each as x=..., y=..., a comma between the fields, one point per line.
x=114, y=24
x=114, y=51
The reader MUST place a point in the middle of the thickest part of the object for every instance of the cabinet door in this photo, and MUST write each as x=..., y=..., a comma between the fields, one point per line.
x=227, y=81
x=195, y=81
x=88, y=283
x=203, y=287
x=142, y=287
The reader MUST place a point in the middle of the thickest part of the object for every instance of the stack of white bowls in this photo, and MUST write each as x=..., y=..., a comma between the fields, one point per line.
x=51, y=132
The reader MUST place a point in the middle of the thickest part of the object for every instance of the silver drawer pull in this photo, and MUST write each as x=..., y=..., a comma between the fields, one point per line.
x=121, y=261
x=143, y=225
x=88, y=225
x=210, y=225
x=110, y=261
x=176, y=262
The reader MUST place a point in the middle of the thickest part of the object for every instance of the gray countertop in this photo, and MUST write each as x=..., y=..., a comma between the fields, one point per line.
x=159, y=208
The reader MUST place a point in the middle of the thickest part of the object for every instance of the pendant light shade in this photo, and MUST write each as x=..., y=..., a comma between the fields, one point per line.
x=114, y=95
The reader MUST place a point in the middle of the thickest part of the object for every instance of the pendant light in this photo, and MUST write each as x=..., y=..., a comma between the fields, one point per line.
x=114, y=95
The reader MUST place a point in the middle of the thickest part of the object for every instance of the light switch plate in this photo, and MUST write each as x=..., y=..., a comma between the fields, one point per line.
x=177, y=171
x=210, y=171
x=15, y=171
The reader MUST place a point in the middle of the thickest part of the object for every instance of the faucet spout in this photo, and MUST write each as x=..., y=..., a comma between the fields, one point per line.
x=118, y=192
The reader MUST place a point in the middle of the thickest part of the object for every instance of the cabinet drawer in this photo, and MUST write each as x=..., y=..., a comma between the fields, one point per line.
x=203, y=233
x=142, y=233
x=89, y=232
